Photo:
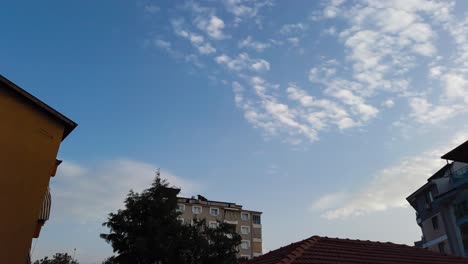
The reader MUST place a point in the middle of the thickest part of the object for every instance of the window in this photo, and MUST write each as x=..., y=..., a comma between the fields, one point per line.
x=441, y=247
x=214, y=211
x=213, y=224
x=429, y=200
x=256, y=219
x=245, y=244
x=245, y=216
x=196, y=209
x=435, y=222
x=245, y=230
x=181, y=208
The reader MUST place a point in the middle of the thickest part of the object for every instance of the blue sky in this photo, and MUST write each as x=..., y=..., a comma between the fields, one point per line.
x=324, y=115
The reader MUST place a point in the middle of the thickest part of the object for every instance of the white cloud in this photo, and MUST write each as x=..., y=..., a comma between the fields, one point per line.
x=206, y=49
x=333, y=8
x=261, y=65
x=256, y=45
x=455, y=86
x=389, y=187
x=77, y=188
x=246, y=9
x=294, y=41
x=198, y=41
x=426, y=113
x=384, y=44
x=302, y=115
x=243, y=62
x=292, y=28
x=213, y=27
x=329, y=201
x=357, y=103
x=162, y=44
x=267, y=113
x=389, y=103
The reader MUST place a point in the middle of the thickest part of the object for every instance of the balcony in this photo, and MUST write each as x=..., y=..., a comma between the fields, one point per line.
x=460, y=175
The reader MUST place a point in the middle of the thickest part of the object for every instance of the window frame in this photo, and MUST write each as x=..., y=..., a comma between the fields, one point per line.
x=259, y=218
x=245, y=213
x=197, y=206
x=248, y=242
x=248, y=230
x=214, y=208
x=179, y=206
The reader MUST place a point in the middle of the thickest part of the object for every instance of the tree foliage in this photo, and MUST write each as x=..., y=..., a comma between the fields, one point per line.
x=147, y=231
x=58, y=258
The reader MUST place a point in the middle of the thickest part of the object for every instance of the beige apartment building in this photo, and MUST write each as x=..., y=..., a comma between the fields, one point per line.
x=247, y=222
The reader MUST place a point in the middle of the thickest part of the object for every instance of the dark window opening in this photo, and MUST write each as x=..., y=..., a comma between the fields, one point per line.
x=435, y=222
x=256, y=219
x=428, y=200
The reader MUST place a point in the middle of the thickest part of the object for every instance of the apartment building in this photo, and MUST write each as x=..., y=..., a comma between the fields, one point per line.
x=442, y=206
x=30, y=136
x=246, y=222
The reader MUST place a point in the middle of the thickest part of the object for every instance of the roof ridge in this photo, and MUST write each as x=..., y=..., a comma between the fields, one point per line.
x=299, y=250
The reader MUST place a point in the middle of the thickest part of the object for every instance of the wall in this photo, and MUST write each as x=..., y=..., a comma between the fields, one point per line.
x=29, y=142
x=230, y=215
x=429, y=232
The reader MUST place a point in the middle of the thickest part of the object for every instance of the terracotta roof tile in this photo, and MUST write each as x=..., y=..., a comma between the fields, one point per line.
x=324, y=250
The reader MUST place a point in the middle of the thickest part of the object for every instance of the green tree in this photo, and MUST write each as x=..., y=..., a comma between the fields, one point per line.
x=58, y=258
x=147, y=231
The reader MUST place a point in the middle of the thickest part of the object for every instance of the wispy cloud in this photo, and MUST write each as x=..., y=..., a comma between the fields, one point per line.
x=212, y=26
x=256, y=45
x=384, y=44
x=89, y=192
x=198, y=41
x=152, y=9
x=246, y=9
x=389, y=187
x=243, y=62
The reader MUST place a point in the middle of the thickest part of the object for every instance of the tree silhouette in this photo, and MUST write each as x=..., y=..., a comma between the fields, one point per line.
x=58, y=258
x=147, y=231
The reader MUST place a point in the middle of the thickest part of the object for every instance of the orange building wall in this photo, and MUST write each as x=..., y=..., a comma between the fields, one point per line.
x=29, y=142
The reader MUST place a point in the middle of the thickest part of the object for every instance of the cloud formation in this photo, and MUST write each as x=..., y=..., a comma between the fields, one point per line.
x=389, y=187
x=386, y=47
x=89, y=193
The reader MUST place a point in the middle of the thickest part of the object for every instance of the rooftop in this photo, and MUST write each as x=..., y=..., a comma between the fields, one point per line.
x=202, y=200
x=325, y=250
x=459, y=153
x=68, y=124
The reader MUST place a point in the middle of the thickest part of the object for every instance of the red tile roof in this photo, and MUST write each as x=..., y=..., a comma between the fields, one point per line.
x=324, y=250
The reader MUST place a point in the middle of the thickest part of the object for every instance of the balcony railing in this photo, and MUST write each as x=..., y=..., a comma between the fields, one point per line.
x=460, y=173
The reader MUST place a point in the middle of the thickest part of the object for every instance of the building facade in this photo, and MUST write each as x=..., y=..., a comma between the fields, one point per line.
x=442, y=206
x=246, y=222
x=30, y=136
